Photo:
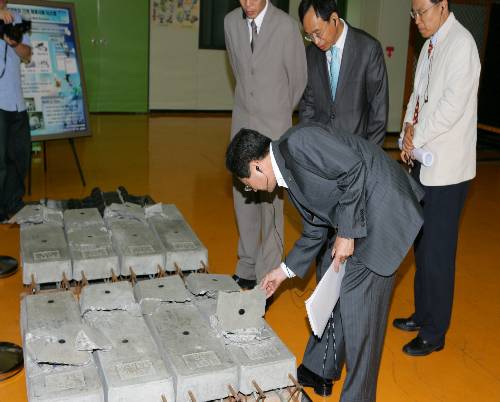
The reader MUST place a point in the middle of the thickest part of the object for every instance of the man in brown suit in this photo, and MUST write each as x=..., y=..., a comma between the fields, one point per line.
x=268, y=60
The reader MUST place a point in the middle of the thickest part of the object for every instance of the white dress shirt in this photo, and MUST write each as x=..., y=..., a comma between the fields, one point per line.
x=281, y=183
x=339, y=44
x=258, y=21
x=447, y=122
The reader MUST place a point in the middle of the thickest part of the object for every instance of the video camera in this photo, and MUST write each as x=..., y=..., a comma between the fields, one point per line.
x=15, y=32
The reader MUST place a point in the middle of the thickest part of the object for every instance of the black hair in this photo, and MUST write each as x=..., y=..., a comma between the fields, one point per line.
x=322, y=8
x=246, y=146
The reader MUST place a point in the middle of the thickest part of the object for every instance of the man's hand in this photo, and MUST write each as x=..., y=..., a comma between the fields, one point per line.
x=407, y=152
x=6, y=16
x=272, y=281
x=10, y=42
x=341, y=251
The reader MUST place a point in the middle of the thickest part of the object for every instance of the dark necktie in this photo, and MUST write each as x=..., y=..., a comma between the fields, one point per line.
x=254, y=34
x=417, y=105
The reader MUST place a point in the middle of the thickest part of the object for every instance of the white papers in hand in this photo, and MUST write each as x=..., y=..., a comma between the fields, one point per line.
x=426, y=158
x=324, y=298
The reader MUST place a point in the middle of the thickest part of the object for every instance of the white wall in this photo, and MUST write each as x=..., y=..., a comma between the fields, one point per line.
x=185, y=77
x=388, y=21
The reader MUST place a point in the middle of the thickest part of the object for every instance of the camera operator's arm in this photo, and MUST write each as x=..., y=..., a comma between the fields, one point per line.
x=22, y=50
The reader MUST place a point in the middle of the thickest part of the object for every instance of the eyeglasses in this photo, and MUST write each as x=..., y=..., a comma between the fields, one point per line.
x=414, y=14
x=317, y=35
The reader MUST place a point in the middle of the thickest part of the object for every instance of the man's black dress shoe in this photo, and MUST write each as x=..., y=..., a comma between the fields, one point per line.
x=244, y=283
x=420, y=347
x=307, y=378
x=8, y=266
x=406, y=324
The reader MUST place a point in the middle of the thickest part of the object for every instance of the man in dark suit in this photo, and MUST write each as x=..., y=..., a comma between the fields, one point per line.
x=345, y=183
x=347, y=84
x=347, y=90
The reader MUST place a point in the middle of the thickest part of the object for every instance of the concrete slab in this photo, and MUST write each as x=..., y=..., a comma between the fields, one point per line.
x=260, y=355
x=52, y=313
x=126, y=210
x=45, y=254
x=192, y=352
x=241, y=310
x=137, y=246
x=181, y=243
x=56, y=383
x=132, y=371
x=210, y=284
x=107, y=297
x=150, y=293
x=77, y=218
x=36, y=214
x=92, y=252
x=48, y=310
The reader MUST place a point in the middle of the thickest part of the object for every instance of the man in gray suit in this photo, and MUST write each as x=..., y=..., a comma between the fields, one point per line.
x=347, y=84
x=347, y=90
x=268, y=60
x=348, y=184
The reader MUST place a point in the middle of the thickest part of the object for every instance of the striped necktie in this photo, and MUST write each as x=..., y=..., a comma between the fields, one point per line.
x=253, y=25
x=334, y=70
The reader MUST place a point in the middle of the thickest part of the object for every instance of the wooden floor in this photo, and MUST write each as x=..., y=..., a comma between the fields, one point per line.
x=179, y=159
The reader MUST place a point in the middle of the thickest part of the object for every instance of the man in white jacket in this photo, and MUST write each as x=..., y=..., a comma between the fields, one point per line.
x=441, y=118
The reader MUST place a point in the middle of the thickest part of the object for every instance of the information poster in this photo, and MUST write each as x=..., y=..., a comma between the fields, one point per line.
x=53, y=81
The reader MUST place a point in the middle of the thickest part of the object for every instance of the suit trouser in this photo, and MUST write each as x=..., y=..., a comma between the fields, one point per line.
x=15, y=153
x=435, y=253
x=356, y=332
x=259, y=216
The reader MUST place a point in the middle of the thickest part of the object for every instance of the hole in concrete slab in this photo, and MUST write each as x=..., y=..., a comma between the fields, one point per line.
x=50, y=301
x=124, y=340
x=161, y=286
x=215, y=280
x=176, y=231
x=185, y=333
x=82, y=213
x=241, y=311
x=44, y=241
x=61, y=341
x=90, y=236
x=107, y=292
x=135, y=234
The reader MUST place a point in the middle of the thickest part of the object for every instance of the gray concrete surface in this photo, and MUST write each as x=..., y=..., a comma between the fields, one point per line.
x=45, y=254
x=182, y=245
x=193, y=353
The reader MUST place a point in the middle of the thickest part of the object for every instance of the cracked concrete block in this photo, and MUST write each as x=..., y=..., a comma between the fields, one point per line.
x=137, y=246
x=181, y=244
x=151, y=293
x=259, y=354
x=126, y=210
x=77, y=218
x=107, y=297
x=210, y=284
x=241, y=310
x=92, y=252
x=48, y=310
x=36, y=214
x=57, y=383
x=132, y=370
x=45, y=254
x=192, y=352
x=49, y=317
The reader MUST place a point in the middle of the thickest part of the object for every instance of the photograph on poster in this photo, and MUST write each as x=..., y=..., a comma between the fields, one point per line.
x=176, y=12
